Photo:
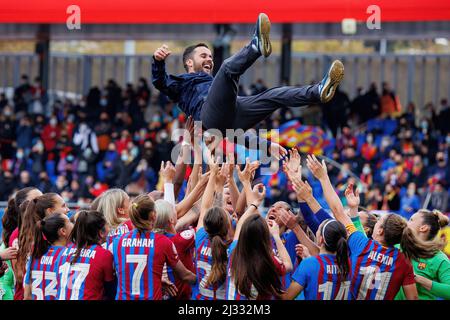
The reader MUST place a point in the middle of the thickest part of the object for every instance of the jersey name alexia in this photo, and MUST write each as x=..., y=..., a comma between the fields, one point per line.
x=379, y=257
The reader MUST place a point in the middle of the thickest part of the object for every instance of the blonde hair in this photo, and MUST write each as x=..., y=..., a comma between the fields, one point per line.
x=164, y=212
x=142, y=213
x=108, y=204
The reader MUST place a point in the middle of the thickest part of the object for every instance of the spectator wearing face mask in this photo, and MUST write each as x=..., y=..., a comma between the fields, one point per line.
x=20, y=162
x=51, y=134
x=368, y=149
x=163, y=147
x=409, y=202
x=366, y=176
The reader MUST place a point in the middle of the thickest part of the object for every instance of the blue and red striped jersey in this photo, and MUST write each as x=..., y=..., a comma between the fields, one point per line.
x=139, y=259
x=320, y=278
x=123, y=228
x=377, y=272
x=42, y=274
x=200, y=290
x=85, y=278
x=233, y=294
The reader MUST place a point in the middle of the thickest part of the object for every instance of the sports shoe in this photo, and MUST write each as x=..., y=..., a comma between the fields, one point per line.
x=330, y=82
x=260, y=40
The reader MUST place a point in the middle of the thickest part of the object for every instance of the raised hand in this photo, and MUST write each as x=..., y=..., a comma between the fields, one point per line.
x=318, y=169
x=245, y=175
x=353, y=199
x=302, y=251
x=213, y=164
x=188, y=135
x=302, y=189
x=162, y=53
x=257, y=195
x=222, y=175
x=230, y=166
x=287, y=218
x=167, y=171
x=293, y=164
x=277, y=151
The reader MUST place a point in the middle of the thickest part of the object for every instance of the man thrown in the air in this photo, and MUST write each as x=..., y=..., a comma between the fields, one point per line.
x=214, y=100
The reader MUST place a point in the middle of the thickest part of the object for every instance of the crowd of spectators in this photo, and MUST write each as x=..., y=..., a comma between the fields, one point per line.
x=117, y=137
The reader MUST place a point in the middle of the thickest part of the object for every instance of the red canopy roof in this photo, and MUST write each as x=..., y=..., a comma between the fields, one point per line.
x=219, y=11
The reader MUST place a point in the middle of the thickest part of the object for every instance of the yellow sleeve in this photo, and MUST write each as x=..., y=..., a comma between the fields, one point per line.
x=350, y=228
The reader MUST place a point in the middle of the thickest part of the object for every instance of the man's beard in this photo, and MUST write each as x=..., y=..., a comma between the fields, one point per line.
x=201, y=68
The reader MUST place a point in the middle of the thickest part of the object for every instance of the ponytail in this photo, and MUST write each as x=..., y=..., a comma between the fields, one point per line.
x=216, y=225
x=442, y=218
x=335, y=240
x=219, y=260
x=86, y=230
x=34, y=211
x=9, y=221
x=12, y=216
x=415, y=248
x=142, y=213
x=47, y=234
x=342, y=258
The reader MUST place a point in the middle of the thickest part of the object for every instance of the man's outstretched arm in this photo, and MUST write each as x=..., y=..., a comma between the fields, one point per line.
x=169, y=85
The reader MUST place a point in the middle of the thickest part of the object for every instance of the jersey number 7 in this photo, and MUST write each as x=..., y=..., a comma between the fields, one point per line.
x=141, y=260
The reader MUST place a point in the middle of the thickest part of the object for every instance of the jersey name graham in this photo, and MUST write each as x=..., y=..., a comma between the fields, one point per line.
x=140, y=242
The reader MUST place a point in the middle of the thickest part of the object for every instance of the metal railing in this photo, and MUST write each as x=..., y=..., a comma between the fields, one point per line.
x=420, y=78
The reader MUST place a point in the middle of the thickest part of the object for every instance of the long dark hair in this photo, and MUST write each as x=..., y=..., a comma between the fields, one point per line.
x=48, y=228
x=335, y=239
x=86, y=230
x=12, y=216
x=252, y=262
x=34, y=212
x=216, y=225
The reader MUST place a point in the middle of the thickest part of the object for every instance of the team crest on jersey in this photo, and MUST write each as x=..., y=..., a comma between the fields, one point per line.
x=187, y=234
x=422, y=266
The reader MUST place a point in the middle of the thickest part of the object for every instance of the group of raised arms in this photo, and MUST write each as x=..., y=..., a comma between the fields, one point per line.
x=216, y=244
